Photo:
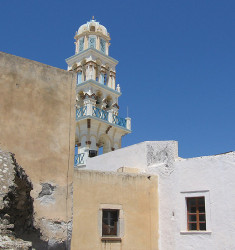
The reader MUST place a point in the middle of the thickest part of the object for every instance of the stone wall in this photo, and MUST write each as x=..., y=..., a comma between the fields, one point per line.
x=16, y=205
x=37, y=124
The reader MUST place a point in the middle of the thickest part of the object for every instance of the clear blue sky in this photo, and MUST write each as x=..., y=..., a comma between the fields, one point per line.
x=176, y=61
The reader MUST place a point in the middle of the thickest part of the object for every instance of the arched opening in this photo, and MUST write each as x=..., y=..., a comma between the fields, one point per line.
x=109, y=101
x=92, y=28
x=99, y=99
x=79, y=99
x=104, y=144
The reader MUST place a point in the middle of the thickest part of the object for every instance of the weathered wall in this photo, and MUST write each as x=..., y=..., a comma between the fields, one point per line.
x=142, y=156
x=16, y=205
x=209, y=176
x=37, y=124
x=136, y=194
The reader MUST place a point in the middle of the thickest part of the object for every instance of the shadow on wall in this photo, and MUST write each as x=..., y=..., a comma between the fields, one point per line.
x=16, y=206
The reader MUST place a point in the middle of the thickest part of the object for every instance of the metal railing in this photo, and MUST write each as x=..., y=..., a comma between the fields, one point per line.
x=80, y=112
x=119, y=121
x=79, y=159
x=99, y=113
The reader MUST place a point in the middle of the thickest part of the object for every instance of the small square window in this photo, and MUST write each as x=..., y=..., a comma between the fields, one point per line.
x=92, y=153
x=196, y=214
x=110, y=222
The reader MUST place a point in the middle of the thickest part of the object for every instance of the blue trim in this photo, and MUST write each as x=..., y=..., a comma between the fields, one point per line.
x=80, y=112
x=98, y=119
x=100, y=113
x=79, y=159
x=119, y=121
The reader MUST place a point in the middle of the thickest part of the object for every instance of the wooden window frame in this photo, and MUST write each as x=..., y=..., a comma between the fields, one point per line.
x=197, y=213
x=117, y=223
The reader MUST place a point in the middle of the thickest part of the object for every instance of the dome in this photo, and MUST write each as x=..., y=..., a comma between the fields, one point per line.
x=92, y=26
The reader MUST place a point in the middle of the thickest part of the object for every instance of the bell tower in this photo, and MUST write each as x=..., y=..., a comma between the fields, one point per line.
x=99, y=128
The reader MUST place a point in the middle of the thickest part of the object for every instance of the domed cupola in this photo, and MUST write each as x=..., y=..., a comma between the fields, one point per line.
x=92, y=35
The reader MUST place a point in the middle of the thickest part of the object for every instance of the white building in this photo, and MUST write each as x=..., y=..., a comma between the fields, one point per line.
x=208, y=180
x=196, y=196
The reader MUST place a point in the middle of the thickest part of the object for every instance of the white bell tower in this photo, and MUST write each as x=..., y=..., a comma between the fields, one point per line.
x=99, y=129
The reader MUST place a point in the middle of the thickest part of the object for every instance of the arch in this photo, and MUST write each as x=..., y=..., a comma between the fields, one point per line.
x=79, y=99
x=99, y=98
x=105, y=142
x=92, y=28
x=93, y=142
x=109, y=101
x=83, y=141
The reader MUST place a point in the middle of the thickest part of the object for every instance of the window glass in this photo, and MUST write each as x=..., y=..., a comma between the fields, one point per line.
x=79, y=77
x=92, y=42
x=102, y=45
x=92, y=153
x=81, y=44
x=196, y=215
x=102, y=78
x=110, y=222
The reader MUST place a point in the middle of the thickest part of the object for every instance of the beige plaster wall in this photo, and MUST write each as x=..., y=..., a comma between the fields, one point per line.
x=37, y=124
x=138, y=196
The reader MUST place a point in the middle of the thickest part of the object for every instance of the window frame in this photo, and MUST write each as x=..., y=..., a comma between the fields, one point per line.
x=79, y=77
x=115, y=222
x=81, y=44
x=120, y=224
x=183, y=211
x=197, y=213
x=89, y=42
x=104, y=43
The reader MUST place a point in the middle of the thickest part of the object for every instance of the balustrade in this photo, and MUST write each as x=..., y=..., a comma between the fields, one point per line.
x=79, y=159
x=80, y=112
x=102, y=114
x=119, y=121
x=99, y=113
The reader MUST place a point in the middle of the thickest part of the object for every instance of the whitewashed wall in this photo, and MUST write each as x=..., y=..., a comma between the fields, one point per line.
x=142, y=156
x=212, y=177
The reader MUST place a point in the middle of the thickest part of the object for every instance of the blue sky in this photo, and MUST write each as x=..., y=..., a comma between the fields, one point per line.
x=176, y=61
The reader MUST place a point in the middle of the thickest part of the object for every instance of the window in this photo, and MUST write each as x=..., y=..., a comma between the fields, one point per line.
x=110, y=222
x=92, y=28
x=102, y=78
x=102, y=45
x=81, y=44
x=79, y=77
x=196, y=213
x=92, y=153
x=92, y=42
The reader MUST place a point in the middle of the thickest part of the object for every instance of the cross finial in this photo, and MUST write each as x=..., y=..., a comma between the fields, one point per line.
x=93, y=17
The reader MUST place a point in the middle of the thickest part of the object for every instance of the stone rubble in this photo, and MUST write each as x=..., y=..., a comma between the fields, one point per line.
x=12, y=175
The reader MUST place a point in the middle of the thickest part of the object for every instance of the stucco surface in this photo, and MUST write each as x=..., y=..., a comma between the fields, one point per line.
x=212, y=176
x=37, y=124
x=142, y=156
x=136, y=194
x=208, y=176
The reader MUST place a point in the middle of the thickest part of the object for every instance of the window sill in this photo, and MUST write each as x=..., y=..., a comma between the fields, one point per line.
x=195, y=232
x=104, y=238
